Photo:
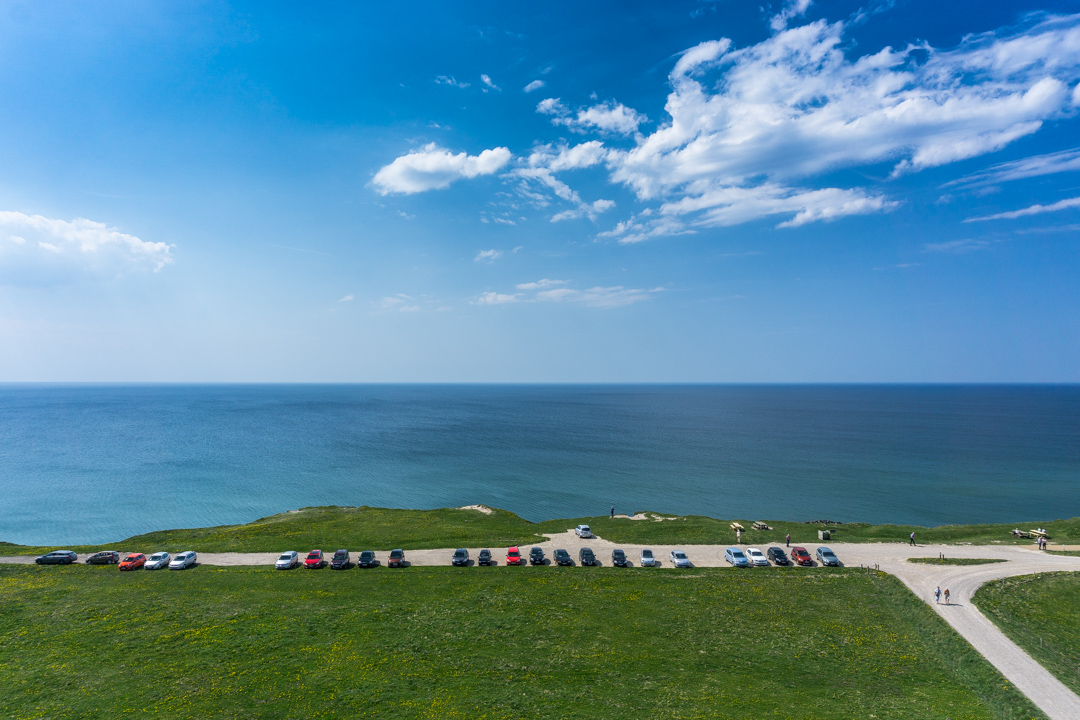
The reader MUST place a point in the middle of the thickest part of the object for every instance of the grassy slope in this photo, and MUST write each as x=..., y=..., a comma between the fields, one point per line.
x=437, y=642
x=378, y=528
x=955, y=561
x=1040, y=613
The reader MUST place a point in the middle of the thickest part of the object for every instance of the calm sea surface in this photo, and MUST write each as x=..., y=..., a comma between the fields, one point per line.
x=100, y=463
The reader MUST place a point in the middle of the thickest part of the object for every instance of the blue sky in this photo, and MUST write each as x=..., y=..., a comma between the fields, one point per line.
x=473, y=192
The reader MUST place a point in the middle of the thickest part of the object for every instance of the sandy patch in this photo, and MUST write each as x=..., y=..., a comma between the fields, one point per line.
x=645, y=516
x=478, y=508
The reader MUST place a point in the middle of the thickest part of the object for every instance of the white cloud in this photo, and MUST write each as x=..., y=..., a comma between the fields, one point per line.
x=398, y=303
x=347, y=298
x=489, y=84
x=488, y=255
x=76, y=245
x=956, y=247
x=752, y=122
x=494, y=298
x=1034, y=166
x=1033, y=210
x=540, y=284
x=602, y=297
x=610, y=117
x=792, y=9
x=534, y=85
x=449, y=80
x=434, y=168
x=589, y=210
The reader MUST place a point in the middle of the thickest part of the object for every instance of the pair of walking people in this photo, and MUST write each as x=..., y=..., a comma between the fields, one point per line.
x=937, y=595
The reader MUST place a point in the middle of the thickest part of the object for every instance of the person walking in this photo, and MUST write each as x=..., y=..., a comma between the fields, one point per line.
x=937, y=594
x=911, y=540
x=787, y=540
x=946, y=596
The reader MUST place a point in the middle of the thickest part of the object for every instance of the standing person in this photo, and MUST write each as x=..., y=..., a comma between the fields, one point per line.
x=946, y=596
x=738, y=536
x=937, y=594
x=911, y=540
x=612, y=512
x=787, y=540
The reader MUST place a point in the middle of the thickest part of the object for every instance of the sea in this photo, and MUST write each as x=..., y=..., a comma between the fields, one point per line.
x=99, y=463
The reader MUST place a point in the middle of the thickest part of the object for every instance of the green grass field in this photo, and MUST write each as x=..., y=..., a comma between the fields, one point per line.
x=956, y=561
x=91, y=642
x=382, y=529
x=1040, y=613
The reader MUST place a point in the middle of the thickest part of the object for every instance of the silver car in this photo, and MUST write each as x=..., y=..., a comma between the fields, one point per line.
x=183, y=561
x=757, y=557
x=288, y=560
x=827, y=558
x=679, y=559
x=157, y=561
x=647, y=559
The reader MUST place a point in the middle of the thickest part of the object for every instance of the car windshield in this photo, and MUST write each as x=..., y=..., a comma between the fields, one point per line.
x=396, y=553
x=827, y=553
x=801, y=553
x=738, y=554
x=618, y=553
x=646, y=553
x=680, y=554
x=561, y=553
x=514, y=553
x=286, y=556
x=158, y=556
x=313, y=556
x=130, y=558
x=460, y=553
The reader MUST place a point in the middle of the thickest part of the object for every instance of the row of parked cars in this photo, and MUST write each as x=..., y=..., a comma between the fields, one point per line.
x=776, y=556
x=182, y=561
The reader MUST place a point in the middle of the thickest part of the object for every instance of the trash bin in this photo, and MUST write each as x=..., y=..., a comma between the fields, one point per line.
x=824, y=534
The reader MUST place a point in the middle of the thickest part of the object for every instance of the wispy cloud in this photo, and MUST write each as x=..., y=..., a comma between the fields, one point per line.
x=534, y=85
x=957, y=247
x=398, y=303
x=540, y=284
x=489, y=84
x=1032, y=210
x=494, y=298
x=451, y=81
x=554, y=291
x=1034, y=166
x=347, y=298
x=609, y=117
x=487, y=255
x=434, y=168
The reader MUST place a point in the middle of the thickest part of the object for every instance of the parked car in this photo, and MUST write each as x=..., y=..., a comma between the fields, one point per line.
x=288, y=560
x=756, y=557
x=679, y=559
x=157, y=561
x=57, y=557
x=397, y=559
x=777, y=555
x=827, y=557
x=461, y=558
x=586, y=556
x=735, y=556
x=563, y=558
x=366, y=560
x=314, y=560
x=583, y=531
x=800, y=557
x=513, y=557
x=618, y=558
x=647, y=559
x=105, y=557
x=133, y=562
x=183, y=560
x=484, y=558
x=340, y=561
x=536, y=556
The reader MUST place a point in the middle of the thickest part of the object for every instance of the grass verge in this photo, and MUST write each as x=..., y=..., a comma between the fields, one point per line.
x=956, y=561
x=1041, y=614
x=383, y=528
x=474, y=643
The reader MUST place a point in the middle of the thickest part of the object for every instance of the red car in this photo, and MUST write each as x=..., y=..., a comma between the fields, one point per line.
x=133, y=562
x=513, y=557
x=800, y=556
x=314, y=560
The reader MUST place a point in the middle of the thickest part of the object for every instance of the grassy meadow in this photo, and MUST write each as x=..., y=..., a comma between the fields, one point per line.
x=91, y=642
x=382, y=529
x=956, y=561
x=1040, y=613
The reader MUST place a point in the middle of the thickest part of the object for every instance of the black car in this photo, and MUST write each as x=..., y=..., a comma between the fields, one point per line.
x=586, y=557
x=536, y=556
x=618, y=558
x=563, y=558
x=461, y=558
x=340, y=561
x=484, y=558
x=777, y=556
x=57, y=557
x=105, y=557
x=366, y=560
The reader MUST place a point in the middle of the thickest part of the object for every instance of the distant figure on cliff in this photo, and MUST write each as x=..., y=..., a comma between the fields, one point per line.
x=787, y=540
x=612, y=512
x=937, y=594
x=912, y=538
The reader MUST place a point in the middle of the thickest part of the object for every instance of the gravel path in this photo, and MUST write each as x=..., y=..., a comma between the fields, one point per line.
x=1046, y=691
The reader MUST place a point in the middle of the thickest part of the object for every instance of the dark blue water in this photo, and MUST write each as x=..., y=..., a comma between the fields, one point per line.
x=99, y=463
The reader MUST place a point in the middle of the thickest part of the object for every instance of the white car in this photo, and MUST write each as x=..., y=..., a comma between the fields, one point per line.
x=647, y=559
x=756, y=557
x=288, y=560
x=183, y=561
x=583, y=531
x=679, y=559
x=157, y=561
